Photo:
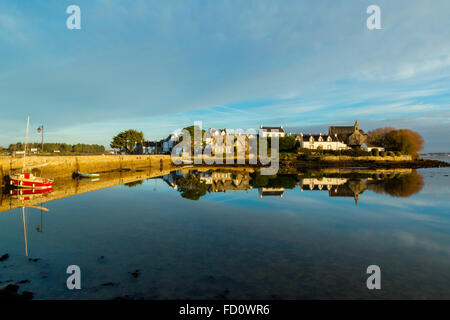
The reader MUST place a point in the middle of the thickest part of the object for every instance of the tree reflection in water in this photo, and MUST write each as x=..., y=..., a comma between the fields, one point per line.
x=398, y=186
x=191, y=187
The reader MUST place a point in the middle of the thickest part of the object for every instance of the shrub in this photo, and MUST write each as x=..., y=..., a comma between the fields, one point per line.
x=355, y=153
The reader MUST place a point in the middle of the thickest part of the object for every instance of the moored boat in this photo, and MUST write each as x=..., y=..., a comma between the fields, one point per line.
x=28, y=180
x=87, y=175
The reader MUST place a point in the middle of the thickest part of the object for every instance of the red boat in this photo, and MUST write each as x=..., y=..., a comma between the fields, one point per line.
x=28, y=180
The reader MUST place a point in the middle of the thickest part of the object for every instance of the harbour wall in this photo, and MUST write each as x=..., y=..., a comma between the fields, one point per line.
x=66, y=187
x=61, y=166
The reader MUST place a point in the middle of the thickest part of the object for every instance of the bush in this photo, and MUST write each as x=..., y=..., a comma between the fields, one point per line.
x=382, y=153
x=304, y=151
x=391, y=154
x=355, y=153
x=375, y=152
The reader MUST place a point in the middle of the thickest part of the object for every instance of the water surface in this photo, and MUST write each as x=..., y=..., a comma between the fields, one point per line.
x=244, y=237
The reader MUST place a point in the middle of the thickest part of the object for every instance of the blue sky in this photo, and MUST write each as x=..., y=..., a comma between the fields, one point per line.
x=161, y=65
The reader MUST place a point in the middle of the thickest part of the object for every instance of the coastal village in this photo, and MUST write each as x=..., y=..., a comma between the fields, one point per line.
x=337, y=138
x=340, y=146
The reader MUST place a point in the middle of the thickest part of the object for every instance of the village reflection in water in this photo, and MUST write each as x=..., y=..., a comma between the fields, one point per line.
x=197, y=182
x=194, y=183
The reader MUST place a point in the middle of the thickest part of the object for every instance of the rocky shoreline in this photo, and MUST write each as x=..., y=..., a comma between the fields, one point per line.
x=319, y=164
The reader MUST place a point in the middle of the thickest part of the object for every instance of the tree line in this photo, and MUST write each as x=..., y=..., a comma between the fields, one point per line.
x=61, y=147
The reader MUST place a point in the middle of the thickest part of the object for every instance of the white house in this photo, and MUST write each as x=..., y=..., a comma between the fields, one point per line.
x=369, y=147
x=170, y=142
x=264, y=192
x=324, y=183
x=266, y=132
x=216, y=138
x=158, y=147
x=319, y=141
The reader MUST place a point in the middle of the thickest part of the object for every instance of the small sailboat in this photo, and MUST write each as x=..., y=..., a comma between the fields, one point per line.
x=27, y=179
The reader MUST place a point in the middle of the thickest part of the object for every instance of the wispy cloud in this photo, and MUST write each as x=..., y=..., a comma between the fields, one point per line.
x=229, y=63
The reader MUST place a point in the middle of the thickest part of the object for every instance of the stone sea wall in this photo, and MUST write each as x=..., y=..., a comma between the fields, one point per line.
x=67, y=187
x=60, y=166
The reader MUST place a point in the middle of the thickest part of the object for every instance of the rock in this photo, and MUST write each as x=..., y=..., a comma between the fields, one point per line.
x=136, y=273
x=109, y=284
x=23, y=281
x=11, y=293
x=4, y=257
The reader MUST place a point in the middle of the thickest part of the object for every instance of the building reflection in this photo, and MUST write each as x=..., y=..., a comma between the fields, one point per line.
x=194, y=183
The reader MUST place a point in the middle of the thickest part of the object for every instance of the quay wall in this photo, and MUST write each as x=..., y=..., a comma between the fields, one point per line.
x=60, y=166
x=67, y=187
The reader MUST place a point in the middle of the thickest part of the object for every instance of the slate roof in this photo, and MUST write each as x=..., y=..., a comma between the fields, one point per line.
x=272, y=129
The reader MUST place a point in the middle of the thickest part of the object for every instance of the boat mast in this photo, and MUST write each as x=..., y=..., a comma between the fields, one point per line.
x=26, y=142
x=24, y=219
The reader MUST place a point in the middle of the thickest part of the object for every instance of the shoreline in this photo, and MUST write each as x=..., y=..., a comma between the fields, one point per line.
x=63, y=166
x=371, y=164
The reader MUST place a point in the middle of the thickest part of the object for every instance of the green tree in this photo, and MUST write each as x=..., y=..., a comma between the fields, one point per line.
x=191, y=130
x=287, y=144
x=126, y=140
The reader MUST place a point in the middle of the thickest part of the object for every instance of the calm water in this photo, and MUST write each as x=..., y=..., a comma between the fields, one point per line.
x=281, y=237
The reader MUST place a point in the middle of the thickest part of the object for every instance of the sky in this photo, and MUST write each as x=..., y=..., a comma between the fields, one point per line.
x=158, y=66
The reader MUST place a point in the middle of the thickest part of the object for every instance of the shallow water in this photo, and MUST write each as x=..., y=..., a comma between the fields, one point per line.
x=270, y=242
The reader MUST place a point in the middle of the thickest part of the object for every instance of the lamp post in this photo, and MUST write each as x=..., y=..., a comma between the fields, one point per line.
x=41, y=130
